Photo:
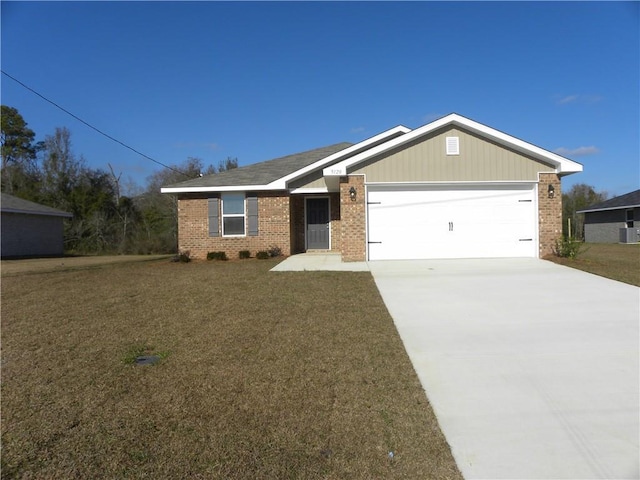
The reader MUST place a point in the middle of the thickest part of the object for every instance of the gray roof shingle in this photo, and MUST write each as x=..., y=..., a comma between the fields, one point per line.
x=11, y=204
x=263, y=173
x=623, y=201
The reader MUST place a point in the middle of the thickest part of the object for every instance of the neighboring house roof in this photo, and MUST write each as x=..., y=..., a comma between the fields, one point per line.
x=11, y=204
x=561, y=164
x=628, y=200
x=335, y=159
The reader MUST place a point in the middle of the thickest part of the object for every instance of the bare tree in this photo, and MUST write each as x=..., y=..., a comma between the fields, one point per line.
x=580, y=196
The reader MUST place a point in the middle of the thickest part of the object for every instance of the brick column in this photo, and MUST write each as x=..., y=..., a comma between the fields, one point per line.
x=549, y=213
x=352, y=220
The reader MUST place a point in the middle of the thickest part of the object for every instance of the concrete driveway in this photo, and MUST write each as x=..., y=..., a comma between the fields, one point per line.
x=532, y=368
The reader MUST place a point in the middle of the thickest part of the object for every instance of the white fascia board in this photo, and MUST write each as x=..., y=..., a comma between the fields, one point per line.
x=310, y=190
x=447, y=183
x=563, y=165
x=234, y=188
x=281, y=183
x=391, y=133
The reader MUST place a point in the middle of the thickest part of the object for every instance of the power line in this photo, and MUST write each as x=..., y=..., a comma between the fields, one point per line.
x=91, y=126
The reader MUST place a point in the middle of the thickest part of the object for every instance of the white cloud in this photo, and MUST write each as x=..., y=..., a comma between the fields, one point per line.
x=577, y=152
x=357, y=130
x=576, y=98
x=568, y=99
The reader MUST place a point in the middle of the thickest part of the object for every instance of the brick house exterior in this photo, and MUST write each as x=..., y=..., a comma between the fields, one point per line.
x=321, y=200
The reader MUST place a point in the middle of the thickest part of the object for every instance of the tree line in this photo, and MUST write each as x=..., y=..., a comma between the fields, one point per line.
x=108, y=216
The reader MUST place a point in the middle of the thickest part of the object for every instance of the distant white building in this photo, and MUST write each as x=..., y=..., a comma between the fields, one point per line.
x=29, y=229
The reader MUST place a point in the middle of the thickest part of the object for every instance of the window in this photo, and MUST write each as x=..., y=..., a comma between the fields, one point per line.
x=233, y=214
x=629, y=218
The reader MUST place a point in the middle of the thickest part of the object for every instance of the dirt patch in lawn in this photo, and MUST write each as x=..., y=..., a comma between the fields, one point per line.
x=42, y=265
x=612, y=260
x=262, y=375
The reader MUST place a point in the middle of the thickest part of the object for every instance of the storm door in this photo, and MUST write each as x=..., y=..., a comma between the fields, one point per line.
x=317, y=223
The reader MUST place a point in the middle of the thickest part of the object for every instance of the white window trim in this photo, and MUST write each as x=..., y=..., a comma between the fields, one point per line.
x=233, y=215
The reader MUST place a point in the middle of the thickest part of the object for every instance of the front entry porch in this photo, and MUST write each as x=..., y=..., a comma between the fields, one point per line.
x=319, y=262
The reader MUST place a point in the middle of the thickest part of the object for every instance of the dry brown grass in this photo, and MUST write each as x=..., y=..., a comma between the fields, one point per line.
x=266, y=375
x=57, y=264
x=612, y=260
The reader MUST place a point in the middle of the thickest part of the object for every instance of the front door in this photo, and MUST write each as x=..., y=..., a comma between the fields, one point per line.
x=317, y=223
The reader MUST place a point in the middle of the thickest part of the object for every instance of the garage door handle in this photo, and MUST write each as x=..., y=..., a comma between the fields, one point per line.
x=451, y=226
x=374, y=242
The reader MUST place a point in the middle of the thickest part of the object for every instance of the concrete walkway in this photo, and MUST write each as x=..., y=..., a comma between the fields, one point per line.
x=532, y=368
x=319, y=261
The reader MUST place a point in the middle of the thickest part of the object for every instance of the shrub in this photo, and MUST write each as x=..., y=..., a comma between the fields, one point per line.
x=244, y=254
x=568, y=247
x=182, y=257
x=274, y=251
x=216, y=256
x=263, y=255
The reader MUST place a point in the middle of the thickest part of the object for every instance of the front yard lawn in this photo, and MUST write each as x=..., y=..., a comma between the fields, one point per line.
x=612, y=260
x=260, y=375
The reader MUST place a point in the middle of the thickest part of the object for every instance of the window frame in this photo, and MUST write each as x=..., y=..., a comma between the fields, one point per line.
x=242, y=215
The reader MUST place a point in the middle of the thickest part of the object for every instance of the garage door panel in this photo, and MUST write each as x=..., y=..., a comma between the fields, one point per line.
x=457, y=223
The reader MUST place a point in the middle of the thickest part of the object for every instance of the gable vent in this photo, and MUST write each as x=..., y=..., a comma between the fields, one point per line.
x=453, y=145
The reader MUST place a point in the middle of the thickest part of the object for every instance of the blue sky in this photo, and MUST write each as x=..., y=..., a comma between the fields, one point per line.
x=261, y=80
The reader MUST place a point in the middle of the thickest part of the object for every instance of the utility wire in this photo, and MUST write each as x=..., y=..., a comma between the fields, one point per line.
x=92, y=127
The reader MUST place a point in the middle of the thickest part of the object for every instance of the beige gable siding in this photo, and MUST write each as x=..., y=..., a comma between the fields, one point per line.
x=313, y=180
x=425, y=160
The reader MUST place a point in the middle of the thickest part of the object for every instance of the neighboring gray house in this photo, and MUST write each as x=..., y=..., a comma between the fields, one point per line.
x=29, y=229
x=616, y=220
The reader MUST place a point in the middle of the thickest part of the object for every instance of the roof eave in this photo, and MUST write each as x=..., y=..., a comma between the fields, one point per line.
x=37, y=212
x=622, y=207
x=227, y=188
x=391, y=133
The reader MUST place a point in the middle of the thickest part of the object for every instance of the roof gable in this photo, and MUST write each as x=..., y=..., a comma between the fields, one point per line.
x=628, y=200
x=562, y=165
x=11, y=204
x=277, y=173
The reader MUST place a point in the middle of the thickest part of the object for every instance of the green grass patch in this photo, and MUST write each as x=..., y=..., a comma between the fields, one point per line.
x=612, y=260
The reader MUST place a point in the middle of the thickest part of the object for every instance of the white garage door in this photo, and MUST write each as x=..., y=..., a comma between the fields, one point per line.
x=451, y=222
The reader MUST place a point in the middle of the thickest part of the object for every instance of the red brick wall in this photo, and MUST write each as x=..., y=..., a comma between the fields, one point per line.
x=352, y=223
x=273, y=227
x=549, y=213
